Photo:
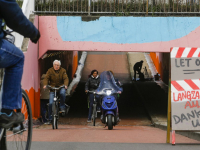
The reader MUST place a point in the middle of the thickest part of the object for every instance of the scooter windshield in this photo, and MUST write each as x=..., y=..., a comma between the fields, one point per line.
x=107, y=84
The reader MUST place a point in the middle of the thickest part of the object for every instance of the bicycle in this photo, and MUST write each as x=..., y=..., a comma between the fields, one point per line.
x=55, y=107
x=94, y=112
x=19, y=136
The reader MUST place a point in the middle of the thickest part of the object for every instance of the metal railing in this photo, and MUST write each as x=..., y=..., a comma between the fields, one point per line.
x=118, y=7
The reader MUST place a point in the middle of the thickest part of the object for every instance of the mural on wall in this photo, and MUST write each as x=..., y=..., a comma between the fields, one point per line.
x=143, y=34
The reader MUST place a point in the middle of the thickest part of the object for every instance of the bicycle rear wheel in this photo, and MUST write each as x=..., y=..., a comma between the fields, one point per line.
x=19, y=138
x=2, y=139
x=94, y=113
x=54, y=115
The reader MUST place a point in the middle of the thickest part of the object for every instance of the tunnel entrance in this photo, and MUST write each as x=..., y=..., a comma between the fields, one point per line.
x=141, y=101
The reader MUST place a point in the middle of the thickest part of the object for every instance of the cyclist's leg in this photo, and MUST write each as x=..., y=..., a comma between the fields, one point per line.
x=91, y=97
x=62, y=98
x=12, y=59
x=51, y=96
x=98, y=102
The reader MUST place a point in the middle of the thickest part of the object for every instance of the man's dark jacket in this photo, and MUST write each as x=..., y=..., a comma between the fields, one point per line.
x=92, y=83
x=15, y=19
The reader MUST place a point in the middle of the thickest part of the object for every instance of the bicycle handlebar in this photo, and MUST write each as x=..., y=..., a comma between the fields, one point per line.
x=55, y=88
x=93, y=92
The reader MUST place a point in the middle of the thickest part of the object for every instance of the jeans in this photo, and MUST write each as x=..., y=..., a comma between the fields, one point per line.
x=62, y=93
x=43, y=103
x=91, y=97
x=12, y=59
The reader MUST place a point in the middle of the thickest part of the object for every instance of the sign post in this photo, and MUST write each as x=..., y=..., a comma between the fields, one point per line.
x=185, y=89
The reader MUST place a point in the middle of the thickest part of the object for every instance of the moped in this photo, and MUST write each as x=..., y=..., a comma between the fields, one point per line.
x=108, y=91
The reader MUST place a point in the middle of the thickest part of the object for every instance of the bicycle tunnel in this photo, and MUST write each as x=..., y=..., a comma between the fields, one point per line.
x=138, y=100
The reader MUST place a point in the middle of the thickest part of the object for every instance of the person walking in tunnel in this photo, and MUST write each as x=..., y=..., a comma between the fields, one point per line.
x=12, y=60
x=56, y=76
x=91, y=85
x=137, y=68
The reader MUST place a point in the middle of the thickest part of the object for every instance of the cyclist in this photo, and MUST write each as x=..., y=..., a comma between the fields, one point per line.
x=12, y=59
x=57, y=77
x=91, y=85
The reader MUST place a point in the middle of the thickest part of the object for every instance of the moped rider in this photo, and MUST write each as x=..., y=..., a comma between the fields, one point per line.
x=108, y=80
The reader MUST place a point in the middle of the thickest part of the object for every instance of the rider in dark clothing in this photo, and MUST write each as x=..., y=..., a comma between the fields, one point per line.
x=12, y=59
x=116, y=80
x=137, y=67
x=91, y=85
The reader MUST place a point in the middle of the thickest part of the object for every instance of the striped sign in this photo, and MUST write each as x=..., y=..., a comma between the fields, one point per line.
x=187, y=52
x=185, y=85
x=185, y=88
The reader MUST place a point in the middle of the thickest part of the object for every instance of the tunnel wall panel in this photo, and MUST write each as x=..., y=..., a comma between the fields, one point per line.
x=161, y=62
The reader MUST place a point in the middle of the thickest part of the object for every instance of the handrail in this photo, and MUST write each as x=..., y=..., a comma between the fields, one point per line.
x=118, y=7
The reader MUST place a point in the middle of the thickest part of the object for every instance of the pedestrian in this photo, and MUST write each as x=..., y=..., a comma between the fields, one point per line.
x=137, y=68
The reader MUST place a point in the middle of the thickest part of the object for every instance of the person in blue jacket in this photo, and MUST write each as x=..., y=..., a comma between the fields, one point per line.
x=12, y=59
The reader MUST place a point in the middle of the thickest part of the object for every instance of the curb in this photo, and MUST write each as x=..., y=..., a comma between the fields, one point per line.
x=189, y=134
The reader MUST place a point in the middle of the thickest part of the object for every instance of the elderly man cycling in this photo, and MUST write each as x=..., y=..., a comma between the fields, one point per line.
x=56, y=77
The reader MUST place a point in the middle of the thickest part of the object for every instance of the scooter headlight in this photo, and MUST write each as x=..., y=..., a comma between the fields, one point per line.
x=108, y=92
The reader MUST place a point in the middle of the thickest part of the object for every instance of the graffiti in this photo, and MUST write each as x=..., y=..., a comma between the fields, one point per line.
x=189, y=105
x=188, y=117
x=197, y=123
x=186, y=95
x=182, y=62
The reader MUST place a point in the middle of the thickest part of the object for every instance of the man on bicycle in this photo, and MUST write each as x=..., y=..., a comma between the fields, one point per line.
x=12, y=59
x=56, y=77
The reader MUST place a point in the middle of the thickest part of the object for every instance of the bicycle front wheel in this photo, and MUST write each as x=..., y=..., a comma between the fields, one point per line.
x=94, y=113
x=19, y=137
x=54, y=116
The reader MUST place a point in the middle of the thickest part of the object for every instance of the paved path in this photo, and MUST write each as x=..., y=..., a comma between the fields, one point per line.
x=81, y=137
x=120, y=134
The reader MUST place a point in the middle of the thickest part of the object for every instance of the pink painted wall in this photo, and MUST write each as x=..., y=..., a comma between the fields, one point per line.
x=52, y=37
x=30, y=79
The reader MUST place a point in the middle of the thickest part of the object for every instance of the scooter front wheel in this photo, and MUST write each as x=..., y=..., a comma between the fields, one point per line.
x=110, y=124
